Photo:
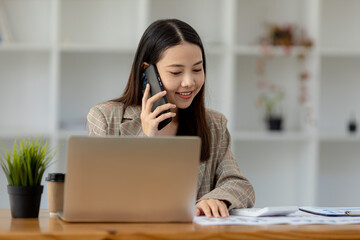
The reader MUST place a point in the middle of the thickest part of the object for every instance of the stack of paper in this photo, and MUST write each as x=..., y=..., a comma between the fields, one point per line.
x=297, y=218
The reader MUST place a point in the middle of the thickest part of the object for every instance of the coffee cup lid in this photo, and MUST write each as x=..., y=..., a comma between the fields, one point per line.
x=55, y=177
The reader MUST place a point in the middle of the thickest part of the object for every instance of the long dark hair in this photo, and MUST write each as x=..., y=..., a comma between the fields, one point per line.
x=159, y=36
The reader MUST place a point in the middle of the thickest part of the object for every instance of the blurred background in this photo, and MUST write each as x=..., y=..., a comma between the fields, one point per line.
x=286, y=74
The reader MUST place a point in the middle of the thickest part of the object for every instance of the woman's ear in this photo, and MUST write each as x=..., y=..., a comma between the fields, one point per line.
x=144, y=65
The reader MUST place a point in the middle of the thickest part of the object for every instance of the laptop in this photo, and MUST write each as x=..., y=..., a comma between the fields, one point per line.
x=131, y=179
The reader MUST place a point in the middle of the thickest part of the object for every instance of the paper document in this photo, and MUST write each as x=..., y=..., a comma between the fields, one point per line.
x=332, y=211
x=297, y=218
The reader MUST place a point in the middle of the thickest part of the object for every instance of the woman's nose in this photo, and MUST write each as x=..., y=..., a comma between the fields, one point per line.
x=188, y=81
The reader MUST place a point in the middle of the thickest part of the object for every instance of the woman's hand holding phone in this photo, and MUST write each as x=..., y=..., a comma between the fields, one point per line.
x=150, y=120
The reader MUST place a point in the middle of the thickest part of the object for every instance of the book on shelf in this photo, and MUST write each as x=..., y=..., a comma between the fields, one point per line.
x=5, y=33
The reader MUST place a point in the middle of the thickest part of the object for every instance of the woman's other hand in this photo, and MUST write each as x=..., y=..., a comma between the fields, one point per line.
x=150, y=120
x=212, y=208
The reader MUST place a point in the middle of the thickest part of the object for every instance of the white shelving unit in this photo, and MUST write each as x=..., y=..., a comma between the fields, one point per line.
x=68, y=55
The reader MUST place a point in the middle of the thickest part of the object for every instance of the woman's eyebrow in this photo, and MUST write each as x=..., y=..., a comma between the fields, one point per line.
x=199, y=62
x=180, y=65
x=175, y=65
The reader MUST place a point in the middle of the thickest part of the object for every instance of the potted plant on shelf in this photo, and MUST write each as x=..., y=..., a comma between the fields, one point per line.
x=269, y=100
x=24, y=168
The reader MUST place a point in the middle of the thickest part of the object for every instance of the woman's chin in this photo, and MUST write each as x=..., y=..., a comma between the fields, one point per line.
x=183, y=105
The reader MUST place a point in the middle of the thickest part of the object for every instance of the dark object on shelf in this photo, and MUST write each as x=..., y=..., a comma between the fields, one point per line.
x=281, y=36
x=25, y=201
x=286, y=35
x=274, y=123
x=352, y=127
x=352, y=124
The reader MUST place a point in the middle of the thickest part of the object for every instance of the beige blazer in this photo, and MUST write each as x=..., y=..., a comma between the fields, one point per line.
x=219, y=176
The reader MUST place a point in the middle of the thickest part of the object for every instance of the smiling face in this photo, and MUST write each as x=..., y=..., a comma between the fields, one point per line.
x=182, y=73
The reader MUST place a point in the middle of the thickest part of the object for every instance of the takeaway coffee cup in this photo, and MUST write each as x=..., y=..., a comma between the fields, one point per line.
x=55, y=188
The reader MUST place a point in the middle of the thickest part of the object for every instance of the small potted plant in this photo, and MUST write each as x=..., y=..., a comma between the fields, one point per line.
x=24, y=168
x=269, y=100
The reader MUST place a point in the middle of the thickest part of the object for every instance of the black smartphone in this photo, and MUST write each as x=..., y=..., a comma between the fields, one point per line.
x=151, y=76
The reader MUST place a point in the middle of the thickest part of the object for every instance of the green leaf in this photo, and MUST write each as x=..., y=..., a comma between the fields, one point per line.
x=28, y=161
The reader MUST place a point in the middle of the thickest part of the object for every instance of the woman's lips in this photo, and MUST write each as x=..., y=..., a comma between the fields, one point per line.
x=184, y=95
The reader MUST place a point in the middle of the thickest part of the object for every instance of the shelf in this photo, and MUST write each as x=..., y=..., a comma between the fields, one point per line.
x=21, y=47
x=277, y=51
x=338, y=24
x=99, y=22
x=65, y=56
x=28, y=21
x=97, y=76
x=194, y=13
x=270, y=136
x=24, y=93
x=340, y=52
x=214, y=48
x=340, y=137
x=97, y=48
x=21, y=132
x=251, y=17
x=339, y=93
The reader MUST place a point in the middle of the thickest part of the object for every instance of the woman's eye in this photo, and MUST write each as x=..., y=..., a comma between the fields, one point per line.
x=175, y=73
x=197, y=70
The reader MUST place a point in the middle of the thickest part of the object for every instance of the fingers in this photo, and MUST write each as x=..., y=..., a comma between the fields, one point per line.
x=164, y=116
x=204, y=208
x=150, y=102
x=147, y=104
x=146, y=95
x=212, y=207
x=197, y=212
x=224, y=212
x=162, y=108
x=150, y=120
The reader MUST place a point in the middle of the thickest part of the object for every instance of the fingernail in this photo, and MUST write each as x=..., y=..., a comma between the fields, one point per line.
x=173, y=106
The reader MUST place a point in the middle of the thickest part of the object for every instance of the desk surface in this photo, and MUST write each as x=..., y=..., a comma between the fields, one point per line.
x=46, y=227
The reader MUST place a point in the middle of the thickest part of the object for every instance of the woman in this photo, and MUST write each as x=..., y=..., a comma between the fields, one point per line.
x=177, y=51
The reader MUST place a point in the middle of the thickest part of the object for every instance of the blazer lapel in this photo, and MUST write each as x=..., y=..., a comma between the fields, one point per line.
x=131, y=122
